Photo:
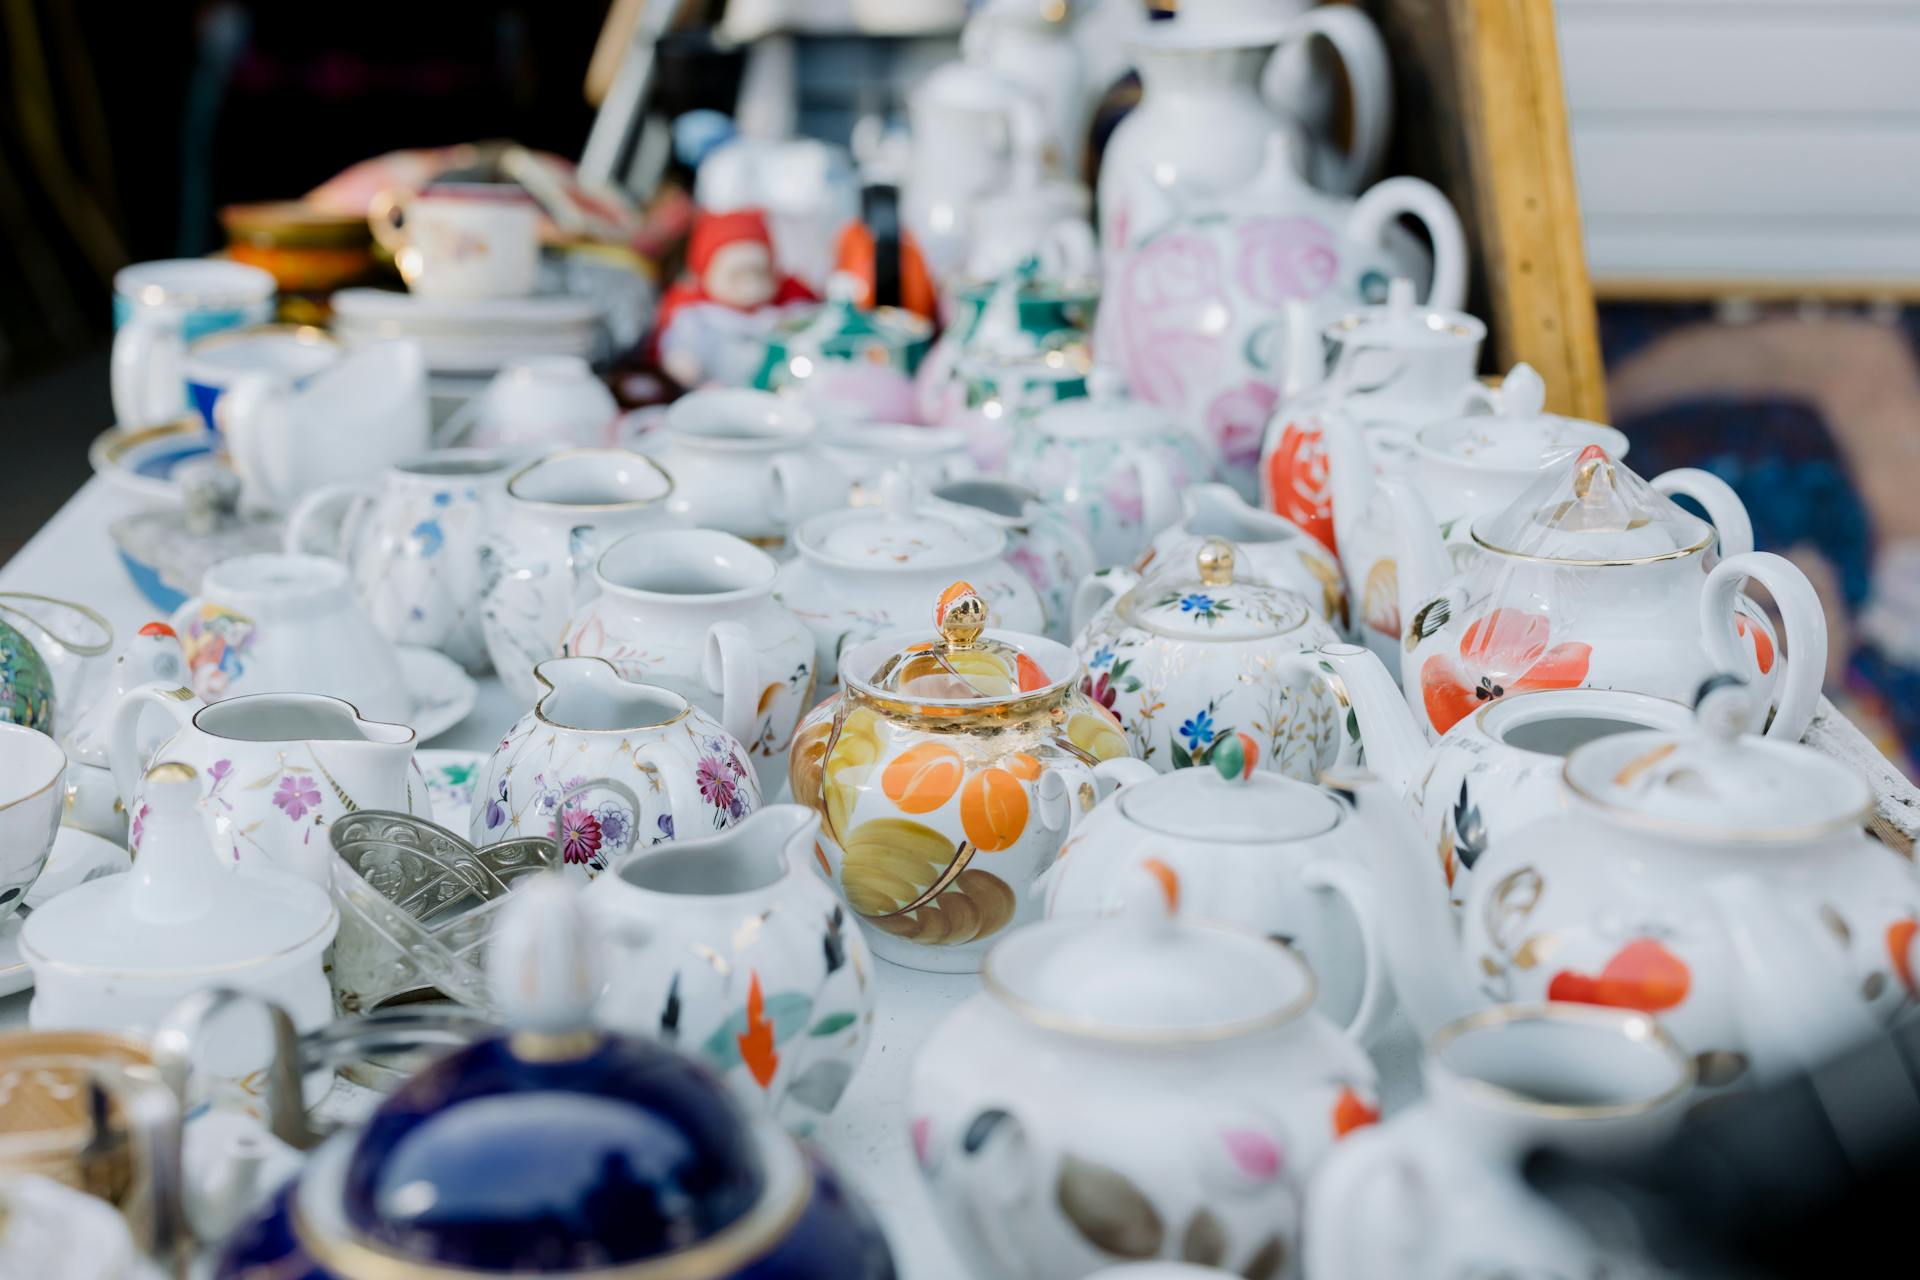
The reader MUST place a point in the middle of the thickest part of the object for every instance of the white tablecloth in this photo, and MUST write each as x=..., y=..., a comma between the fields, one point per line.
x=73, y=558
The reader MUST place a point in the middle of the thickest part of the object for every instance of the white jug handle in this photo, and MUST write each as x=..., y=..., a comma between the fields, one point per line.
x=1370, y=1211
x=1356, y=42
x=732, y=670
x=1353, y=882
x=253, y=419
x=144, y=350
x=123, y=753
x=1375, y=211
x=801, y=485
x=1096, y=589
x=352, y=496
x=1159, y=500
x=676, y=778
x=1805, y=633
x=1723, y=505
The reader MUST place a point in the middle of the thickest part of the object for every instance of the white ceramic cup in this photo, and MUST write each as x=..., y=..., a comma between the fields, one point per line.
x=461, y=240
x=158, y=308
x=289, y=354
x=31, y=769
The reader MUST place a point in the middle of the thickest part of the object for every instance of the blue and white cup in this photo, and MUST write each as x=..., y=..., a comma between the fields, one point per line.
x=160, y=307
x=288, y=354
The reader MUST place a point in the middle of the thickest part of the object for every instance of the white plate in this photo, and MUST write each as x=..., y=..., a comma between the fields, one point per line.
x=443, y=694
x=536, y=314
x=451, y=777
x=141, y=461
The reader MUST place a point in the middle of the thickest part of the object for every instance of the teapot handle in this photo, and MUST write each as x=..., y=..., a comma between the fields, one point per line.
x=1363, y=54
x=353, y=497
x=1353, y=882
x=731, y=669
x=1723, y=505
x=1096, y=589
x=1384, y=202
x=1805, y=631
x=1371, y=1207
x=123, y=753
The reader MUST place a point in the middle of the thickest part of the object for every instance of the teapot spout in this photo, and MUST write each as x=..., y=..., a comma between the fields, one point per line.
x=1350, y=472
x=1419, y=936
x=1396, y=748
x=1423, y=564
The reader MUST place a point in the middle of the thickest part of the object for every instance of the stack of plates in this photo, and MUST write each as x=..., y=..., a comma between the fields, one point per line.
x=474, y=336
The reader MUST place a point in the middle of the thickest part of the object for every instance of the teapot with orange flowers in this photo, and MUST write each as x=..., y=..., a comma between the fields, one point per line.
x=1721, y=881
x=947, y=773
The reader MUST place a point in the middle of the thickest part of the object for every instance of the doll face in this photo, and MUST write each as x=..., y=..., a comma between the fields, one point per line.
x=740, y=275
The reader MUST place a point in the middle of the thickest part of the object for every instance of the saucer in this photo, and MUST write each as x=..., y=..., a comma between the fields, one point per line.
x=442, y=692
x=473, y=335
x=76, y=857
x=451, y=777
x=140, y=461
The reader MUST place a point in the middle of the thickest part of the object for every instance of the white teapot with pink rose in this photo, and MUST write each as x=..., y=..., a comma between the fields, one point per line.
x=1193, y=311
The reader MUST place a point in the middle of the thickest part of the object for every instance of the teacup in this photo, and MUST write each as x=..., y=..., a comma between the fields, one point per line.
x=290, y=354
x=366, y=411
x=31, y=770
x=159, y=307
x=461, y=239
x=288, y=624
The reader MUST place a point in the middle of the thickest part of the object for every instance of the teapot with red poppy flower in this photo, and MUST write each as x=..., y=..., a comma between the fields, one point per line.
x=1594, y=578
x=1720, y=880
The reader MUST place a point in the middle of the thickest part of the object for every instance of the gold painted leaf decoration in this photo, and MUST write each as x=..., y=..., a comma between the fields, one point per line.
x=1108, y=1210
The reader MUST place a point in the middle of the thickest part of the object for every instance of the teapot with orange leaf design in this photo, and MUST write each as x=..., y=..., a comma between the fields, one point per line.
x=1719, y=880
x=947, y=773
x=1593, y=578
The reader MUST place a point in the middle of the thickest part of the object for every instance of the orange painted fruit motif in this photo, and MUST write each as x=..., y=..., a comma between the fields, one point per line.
x=993, y=810
x=1642, y=975
x=923, y=777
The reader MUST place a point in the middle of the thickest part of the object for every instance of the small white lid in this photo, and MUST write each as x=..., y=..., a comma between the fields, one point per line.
x=1591, y=509
x=1198, y=597
x=1520, y=436
x=1231, y=803
x=896, y=534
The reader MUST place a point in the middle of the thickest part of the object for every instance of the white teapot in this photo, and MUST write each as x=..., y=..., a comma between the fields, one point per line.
x=1192, y=308
x=1593, y=578
x=1132, y=1088
x=1722, y=882
x=1275, y=551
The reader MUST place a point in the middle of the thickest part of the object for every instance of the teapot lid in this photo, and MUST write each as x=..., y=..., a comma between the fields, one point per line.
x=1402, y=324
x=1233, y=802
x=1591, y=509
x=1200, y=598
x=1717, y=781
x=178, y=910
x=963, y=664
x=1105, y=412
x=897, y=535
x=1520, y=435
x=1147, y=975
x=555, y=1147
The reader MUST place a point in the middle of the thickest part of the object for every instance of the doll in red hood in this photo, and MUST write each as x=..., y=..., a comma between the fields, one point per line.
x=713, y=323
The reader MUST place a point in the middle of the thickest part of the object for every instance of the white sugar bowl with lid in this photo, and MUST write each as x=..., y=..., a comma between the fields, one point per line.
x=1192, y=654
x=1131, y=1089
x=1243, y=846
x=863, y=572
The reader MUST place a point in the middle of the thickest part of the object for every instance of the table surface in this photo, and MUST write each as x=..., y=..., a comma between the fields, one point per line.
x=73, y=558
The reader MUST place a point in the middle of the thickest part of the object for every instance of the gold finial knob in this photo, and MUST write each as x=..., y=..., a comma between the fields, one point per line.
x=1216, y=562
x=961, y=616
x=1593, y=466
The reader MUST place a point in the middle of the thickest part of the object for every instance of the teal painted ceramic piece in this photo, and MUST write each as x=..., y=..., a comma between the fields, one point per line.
x=26, y=686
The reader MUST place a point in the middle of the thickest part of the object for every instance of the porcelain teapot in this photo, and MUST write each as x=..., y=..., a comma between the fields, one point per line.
x=947, y=774
x=1276, y=551
x=1720, y=881
x=1137, y=1088
x=92, y=801
x=1463, y=468
x=1191, y=311
x=719, y=445
x=1043, y=542
x=1593, y=578
x=1192, y=654
x=1493, y=772
x=1385, y=367
x=273, y=770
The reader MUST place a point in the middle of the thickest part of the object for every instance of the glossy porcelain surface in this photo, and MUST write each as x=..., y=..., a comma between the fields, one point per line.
x=720, y=447
x=1271, y=549
x=159, y=307
x=35, y=770
x=544, y=402
x=1043, y=542
x=850, y=461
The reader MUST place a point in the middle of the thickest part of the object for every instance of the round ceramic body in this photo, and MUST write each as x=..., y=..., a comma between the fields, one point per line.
x=602, y=765
x=1213, y=352
x=1016, y=1099
x=1189, y=660
x=290, y=354
x=284, y=624
x=93, y=802
x=1593, y=1084
x=804, y=967
x=412, y=546
x=34, y=769
x=720, y=446
x=558, y=515
x=1040, y=315
x=839, y=358
x=993, y=396
x=28, y=695
x=1496, y=770
x=848, y=463
x=1043, y=542
x=275, y=770
x=159, y=307
x=1266, y=853
x=861, y=573
x=1271, y=549
x=1115, y=466
x=939, y=814
x=692, y=610
x=544, y=402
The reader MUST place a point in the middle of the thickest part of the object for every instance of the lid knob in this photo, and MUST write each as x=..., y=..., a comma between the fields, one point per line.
x=1523, y=393
x=169, y=883
x=1236, y=757
x=1400, y=300
x=1593, y=478
x=1215, y=562
x=960, y=616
